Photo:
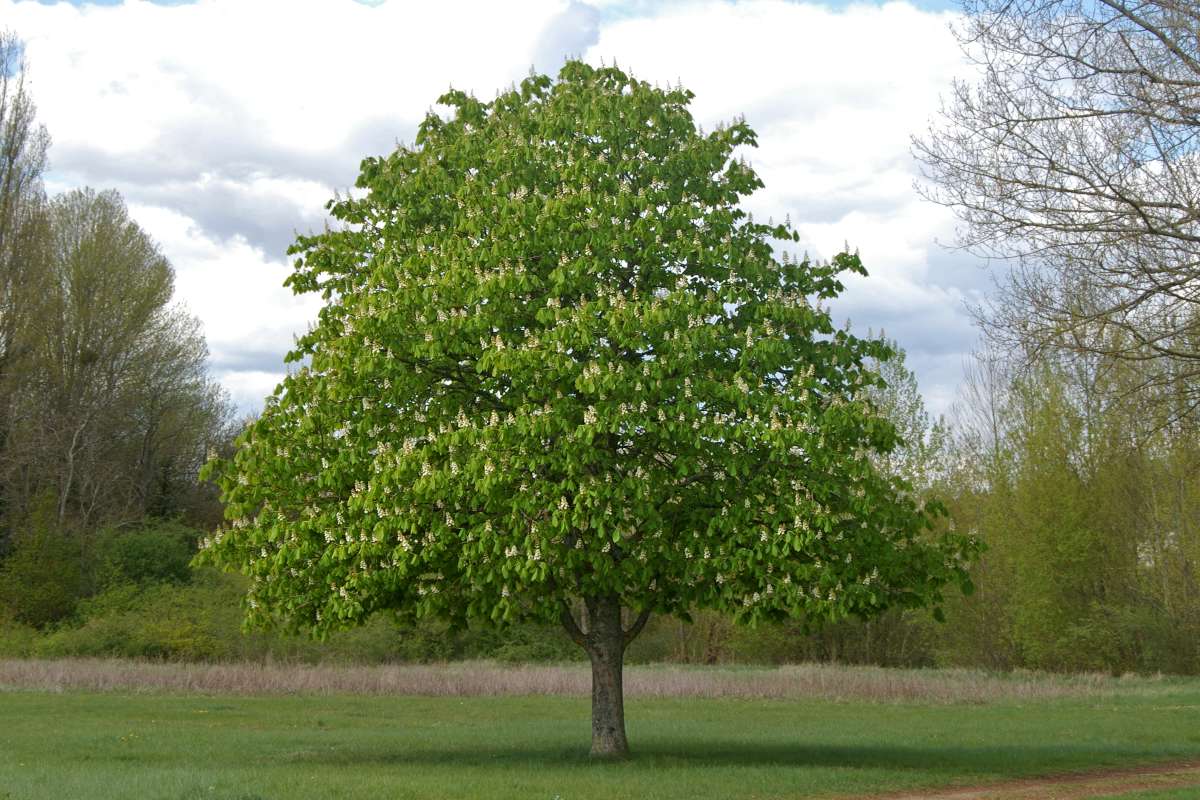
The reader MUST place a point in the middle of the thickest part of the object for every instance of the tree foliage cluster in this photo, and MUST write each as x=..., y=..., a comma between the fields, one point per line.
x=107, y=410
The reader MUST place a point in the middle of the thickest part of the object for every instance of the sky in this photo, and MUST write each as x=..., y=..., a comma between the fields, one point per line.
x=228, y=124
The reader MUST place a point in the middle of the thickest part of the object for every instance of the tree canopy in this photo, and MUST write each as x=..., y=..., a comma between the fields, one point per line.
x=110, y=407
x=558, y=362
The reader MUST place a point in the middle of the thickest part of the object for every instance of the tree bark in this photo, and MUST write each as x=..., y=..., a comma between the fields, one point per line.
x=604, y=641
x=606, y=649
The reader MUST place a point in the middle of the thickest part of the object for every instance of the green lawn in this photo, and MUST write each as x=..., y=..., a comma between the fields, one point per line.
x=78, y=745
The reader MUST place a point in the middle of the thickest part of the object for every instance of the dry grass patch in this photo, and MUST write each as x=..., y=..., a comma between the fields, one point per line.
x=815, y=681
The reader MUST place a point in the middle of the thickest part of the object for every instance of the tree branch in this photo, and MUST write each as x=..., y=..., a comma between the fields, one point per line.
x=637, y=626
x=570, y=625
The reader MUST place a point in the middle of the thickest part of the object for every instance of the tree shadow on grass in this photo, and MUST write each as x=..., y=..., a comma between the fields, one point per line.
x=692, y=754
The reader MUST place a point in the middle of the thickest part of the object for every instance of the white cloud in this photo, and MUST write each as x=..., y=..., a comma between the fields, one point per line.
x=296, y=76
x=227, y=125
x=249, y=316
x=248, y=387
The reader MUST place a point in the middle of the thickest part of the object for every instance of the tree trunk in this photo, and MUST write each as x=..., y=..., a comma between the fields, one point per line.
x=606, y=649
x=605, y=641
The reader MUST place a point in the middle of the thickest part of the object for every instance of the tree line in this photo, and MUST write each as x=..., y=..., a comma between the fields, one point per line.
x=1073, y=159
x=107, y=409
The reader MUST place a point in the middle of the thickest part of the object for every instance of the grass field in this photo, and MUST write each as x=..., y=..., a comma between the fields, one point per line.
x=854, y=736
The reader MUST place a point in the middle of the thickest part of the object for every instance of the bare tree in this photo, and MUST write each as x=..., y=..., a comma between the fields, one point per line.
x=23, y=145
x=1077, y=156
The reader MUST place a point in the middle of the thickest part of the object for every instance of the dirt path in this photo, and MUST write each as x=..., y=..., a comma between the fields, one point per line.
x=1074, y=786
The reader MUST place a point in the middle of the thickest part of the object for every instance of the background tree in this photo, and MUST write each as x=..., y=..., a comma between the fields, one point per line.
x=559, y=368
x=1083, y=493
x=114, y=410
x=110, y=407
x=23, y=145
x=921, y=455
x=1076, y=156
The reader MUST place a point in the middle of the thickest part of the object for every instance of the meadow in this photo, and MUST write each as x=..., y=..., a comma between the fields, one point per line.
x=119, y=729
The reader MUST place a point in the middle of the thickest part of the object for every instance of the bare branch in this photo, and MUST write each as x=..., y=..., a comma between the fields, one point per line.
x=1076, y=158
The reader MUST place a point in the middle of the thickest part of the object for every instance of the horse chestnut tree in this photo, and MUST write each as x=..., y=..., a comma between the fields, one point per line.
x=561, y=375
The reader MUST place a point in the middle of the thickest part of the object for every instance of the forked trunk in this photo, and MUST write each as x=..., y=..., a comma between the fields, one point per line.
x=606, y=648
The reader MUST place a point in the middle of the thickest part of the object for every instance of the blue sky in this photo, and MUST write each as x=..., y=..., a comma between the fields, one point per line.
x=227, y=124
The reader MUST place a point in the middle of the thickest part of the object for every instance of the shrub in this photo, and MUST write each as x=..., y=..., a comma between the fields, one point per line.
x=16, y=640
x=41, y=579
x=533, y=643
x=156, y=551
x=189, y=623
